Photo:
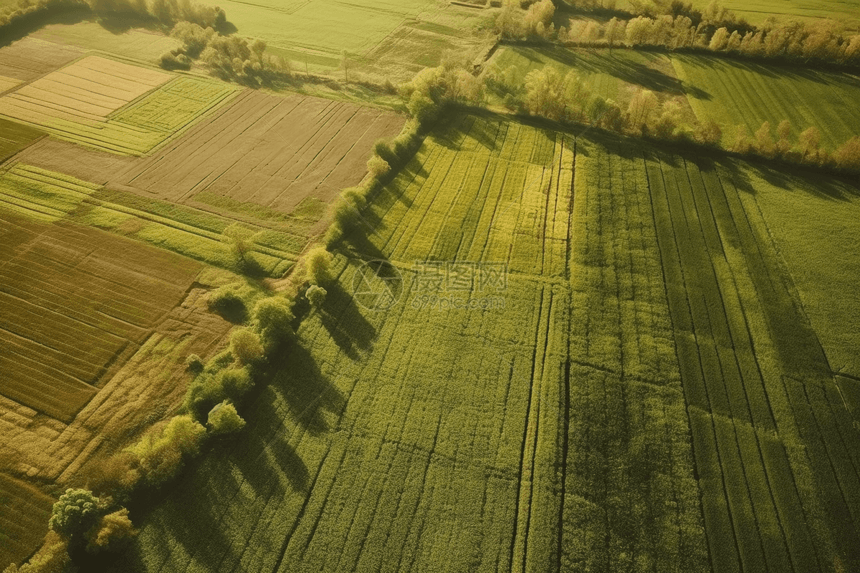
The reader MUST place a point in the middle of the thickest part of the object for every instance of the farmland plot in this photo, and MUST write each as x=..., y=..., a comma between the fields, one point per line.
x=49, y=196
x=646, y=311
x=433, y=438
x=75, y=302
x=113, y=106
x=266, y=150
x=612, y=76
x=377, y=36
x=24, y=513
x=775, y=446
x=30, y=58
x=15, y=137
x=733, y=92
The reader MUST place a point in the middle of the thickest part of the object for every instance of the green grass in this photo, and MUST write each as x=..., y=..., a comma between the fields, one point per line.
x=733, y=92
x=430, y=438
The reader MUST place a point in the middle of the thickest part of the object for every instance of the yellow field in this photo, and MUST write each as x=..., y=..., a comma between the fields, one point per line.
x=87, y=90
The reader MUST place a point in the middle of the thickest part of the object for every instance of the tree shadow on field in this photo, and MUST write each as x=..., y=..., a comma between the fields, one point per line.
x=622, y=68
x=118, y=23
x=297, y=380
x=349, y=329
x=773, y=69
x=791, y=179
x=30, y=23
x=185, y=512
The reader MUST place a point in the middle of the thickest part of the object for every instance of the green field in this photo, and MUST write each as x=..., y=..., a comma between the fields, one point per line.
x=758, y=11
x=733, y=92
x=134, y=129
x=815, y=227
x=391, y=40
x=646, y=310
x=610, y=76
x=137, y=44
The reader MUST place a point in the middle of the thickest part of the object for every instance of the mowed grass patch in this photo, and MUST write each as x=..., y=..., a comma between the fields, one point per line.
x=113, y=106
x=24, y=513
x=75, y=303
x=733, y=92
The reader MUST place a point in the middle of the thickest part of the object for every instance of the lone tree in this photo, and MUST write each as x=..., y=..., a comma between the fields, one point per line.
x=75, y=512
x=239, y=240
x=316, y=295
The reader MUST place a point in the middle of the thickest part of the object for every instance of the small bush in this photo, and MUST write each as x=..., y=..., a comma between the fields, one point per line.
x=227, y=302
x=318, y=265
x=224, y=419
x=114, y=476
x=378, y=167
x=74, y=513
x=194, y=364
x=174, y=60
x=111, y=533
x=245, y=346
x=316, y=295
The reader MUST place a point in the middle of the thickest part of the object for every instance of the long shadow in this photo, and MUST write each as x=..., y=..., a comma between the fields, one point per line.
x=26, y=25
x=350, y=330
x=773, y=68
x=626, y=70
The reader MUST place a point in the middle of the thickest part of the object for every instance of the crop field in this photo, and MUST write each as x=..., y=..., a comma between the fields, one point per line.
x=30, y=58
x=731, y=92
x=266, y=151
x=24, y=512
x=50, y=196
x=15, y=137
x=611, y=76
x=113, y=106
x=73, y=302
x=388, y=39
x=645, y=311
x=137, y=44
x=805, y=218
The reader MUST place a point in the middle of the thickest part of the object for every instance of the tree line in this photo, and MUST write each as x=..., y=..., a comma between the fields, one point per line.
x=677, y=26
x=15, y=19
x=228, y=57
x=565, y=99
